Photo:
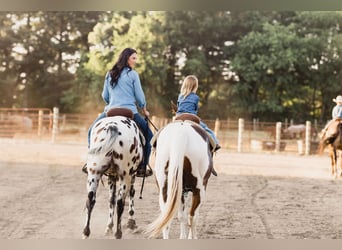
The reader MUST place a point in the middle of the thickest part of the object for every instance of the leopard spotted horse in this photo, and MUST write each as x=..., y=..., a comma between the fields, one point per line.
x=116, y=149
x=183, y=164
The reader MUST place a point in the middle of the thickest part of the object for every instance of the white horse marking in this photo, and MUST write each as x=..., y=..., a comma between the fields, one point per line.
x=183, y=166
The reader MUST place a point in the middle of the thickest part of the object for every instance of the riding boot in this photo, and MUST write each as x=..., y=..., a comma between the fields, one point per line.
x=143, y=171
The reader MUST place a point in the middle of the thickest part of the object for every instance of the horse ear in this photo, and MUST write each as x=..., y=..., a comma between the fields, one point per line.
x=173, y=108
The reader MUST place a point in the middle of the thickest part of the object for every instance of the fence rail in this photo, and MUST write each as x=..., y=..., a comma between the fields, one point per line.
x=235, y=135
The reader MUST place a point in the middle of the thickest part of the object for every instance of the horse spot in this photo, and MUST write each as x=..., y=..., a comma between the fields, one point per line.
x=98, y=124
x=94, y=163
x=121, y=156
x=189, y=180
x=115, y=155
x=124, y=173
x=121, y=143
x=102, y=140
x=95, y=139
x=109, y=153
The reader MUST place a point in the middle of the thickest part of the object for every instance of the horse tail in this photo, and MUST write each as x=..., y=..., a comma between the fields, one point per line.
x=108, y=142
x=174, y=184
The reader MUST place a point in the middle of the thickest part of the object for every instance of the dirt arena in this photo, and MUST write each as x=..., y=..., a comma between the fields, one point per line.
x=255, y=196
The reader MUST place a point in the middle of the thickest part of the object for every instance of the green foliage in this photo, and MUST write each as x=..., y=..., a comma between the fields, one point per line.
x=268, y=65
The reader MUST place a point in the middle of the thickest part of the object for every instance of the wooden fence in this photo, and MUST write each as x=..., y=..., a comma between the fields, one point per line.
x=234, y=135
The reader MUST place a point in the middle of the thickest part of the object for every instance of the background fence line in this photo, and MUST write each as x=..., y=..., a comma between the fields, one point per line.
x=235, y=135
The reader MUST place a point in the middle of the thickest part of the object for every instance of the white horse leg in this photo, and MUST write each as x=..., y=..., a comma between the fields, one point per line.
x=182, y=216
x=120, y=208
x=193, y=214
x=112, y=201
x=131, y=221
x=92, y=184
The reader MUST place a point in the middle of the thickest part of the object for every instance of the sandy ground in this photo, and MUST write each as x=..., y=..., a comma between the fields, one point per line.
x=255, y=196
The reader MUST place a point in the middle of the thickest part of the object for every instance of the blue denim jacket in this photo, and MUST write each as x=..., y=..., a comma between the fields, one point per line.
x=337, y=112
x=127, y=93
x=188, y=104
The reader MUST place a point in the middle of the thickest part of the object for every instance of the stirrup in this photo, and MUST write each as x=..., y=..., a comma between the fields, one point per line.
x=143, y=171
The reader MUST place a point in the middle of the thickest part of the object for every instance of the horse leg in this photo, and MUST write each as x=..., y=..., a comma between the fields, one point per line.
x=333, y=161
x=182, y=215
x=196, y=200
x=112, y=197
x=120, y=204
x=131, y=221
x=340, y=159
x=92, y=184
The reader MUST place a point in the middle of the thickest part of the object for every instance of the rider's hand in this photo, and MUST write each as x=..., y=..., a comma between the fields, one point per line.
x=146, y=113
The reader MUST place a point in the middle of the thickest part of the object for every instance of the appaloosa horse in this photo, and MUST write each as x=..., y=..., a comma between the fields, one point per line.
x=115, y=151
x=183, y=166
x=333, y=140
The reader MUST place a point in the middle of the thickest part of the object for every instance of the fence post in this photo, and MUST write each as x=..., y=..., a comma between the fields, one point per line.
x=277, y=138
x=217, y=126
x=307, y=137
x=240, y=132
x=40, y=122
x=255, y=124
x=54, y=124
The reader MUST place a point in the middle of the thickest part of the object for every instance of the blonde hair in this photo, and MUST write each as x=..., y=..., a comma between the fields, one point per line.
x=190, y=84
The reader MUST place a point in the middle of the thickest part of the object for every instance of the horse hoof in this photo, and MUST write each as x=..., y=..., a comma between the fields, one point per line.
x=108, y=232
x=131, y=224
x=84, y=237
x=118, y=235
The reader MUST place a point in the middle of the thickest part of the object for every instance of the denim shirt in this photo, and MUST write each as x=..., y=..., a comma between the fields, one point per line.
x=127, y=93
x=188, y=104
x=337, y=112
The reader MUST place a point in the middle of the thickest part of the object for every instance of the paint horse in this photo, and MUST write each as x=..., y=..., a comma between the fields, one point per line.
x=333, y=140
x=116, y=149
x=183, y=166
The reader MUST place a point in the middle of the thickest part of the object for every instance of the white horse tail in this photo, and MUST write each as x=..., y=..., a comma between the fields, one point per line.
x=108, y=141
x=177, y=149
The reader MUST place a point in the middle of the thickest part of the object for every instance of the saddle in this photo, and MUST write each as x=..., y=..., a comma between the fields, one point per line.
x=126, y=113
x=120, y=111
x=189, y=118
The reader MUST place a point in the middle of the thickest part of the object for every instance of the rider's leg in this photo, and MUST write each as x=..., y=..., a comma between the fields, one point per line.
x=143, y=125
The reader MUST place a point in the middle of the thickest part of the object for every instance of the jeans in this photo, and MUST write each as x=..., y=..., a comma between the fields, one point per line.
x=142, y=124
x=209, y=131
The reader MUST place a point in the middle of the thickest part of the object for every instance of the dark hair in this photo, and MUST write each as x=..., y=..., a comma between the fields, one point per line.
x=120, y=65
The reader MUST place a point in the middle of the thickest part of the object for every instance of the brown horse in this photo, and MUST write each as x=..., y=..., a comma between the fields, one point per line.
x=334, y=144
